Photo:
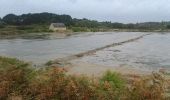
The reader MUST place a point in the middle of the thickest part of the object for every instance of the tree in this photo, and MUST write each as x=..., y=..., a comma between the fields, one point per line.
x=47, y=18
x=1, y=23
x=168, y=26
x=130, y=26
x=12, y=19
x=85, y=23
x=117, y=25
x=37, y=18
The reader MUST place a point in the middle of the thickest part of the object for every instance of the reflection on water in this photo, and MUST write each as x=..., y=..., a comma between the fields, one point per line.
x=151, y=52
x=42, y=48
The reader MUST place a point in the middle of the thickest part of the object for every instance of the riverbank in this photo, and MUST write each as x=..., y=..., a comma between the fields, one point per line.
x=30, y=29
x=18, y=80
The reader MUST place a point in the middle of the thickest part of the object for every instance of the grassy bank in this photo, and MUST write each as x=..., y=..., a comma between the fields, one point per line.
x=26, y=29
x=15, y=30
x=19, y=81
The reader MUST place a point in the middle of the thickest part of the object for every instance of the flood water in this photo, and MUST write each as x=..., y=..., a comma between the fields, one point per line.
x=44, y=48
x=151, y=52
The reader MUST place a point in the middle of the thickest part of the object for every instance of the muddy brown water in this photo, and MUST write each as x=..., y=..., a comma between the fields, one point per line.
x=42, y=49
x=152, y=51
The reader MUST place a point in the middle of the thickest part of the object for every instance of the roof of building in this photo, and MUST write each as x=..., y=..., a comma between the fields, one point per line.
x=58, y=24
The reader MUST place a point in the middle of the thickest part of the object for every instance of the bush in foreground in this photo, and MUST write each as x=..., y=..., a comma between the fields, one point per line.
x=18, y=81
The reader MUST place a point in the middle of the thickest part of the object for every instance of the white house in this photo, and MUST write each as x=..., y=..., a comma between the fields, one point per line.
x=57, y=27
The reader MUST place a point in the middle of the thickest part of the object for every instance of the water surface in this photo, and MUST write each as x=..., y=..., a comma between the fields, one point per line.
x=151, y=52
x=42, y=48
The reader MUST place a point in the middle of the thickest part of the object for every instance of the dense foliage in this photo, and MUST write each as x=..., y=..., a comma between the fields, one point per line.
x=47, y=18
x=19, y=82
x=1, y=23
x=37, y=18
x=0, y=20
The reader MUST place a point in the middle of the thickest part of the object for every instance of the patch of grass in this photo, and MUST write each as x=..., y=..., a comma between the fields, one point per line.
x=114, y=79
x=49, y=63
x=79, y=29
x=2, y=26
x=23, y=29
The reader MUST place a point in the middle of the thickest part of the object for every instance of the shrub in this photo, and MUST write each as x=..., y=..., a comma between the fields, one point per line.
x=19, y=81
x=14, y=77
x=25, y=27
x=114, y=79
x=2, y=26
x=112, y=86
x=49, y=63
x=150, y=88
x=79, y=29
x=168, y=26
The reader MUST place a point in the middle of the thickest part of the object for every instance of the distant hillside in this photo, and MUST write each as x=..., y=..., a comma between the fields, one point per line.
x=47, y=18
x=37, y=18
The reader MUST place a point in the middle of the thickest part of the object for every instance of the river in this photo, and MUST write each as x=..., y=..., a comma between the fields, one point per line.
x=41, y=50
x=151, y=51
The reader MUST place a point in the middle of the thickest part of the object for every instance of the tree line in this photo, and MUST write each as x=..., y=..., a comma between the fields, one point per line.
x=36, y=18
x=47, y=18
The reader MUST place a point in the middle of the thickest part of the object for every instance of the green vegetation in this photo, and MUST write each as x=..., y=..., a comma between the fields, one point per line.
x=1, y=24
x=114, y=79
x=80, y=29
x=39, y=22
x=19, y=81
x=14, y=30
x=168, y=26
x=37, y=18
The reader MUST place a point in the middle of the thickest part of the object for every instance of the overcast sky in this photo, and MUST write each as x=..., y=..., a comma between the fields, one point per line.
x=103, y=10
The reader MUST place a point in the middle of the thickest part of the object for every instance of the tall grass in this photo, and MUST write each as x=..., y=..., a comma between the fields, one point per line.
x=18, y=81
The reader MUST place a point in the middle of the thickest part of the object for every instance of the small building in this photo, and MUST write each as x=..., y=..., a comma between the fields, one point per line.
x=57, y=27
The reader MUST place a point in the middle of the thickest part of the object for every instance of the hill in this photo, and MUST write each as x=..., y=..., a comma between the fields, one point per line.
x=39, y=22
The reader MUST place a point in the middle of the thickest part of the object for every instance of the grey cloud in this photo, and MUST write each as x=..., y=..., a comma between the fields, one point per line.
x=102, y=10
x=73, y=1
